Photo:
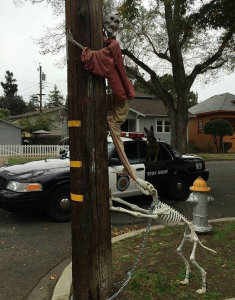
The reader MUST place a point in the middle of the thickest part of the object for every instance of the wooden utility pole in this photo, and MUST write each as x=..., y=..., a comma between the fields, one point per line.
x=91, y=230
x=40, y=88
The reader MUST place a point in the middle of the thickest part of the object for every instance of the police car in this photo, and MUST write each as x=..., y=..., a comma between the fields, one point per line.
x=45, y=184
x=171, y=175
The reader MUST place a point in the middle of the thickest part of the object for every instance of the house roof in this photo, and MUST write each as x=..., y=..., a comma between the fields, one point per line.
x=147, y=105
x=12, y=124
x=143, y=104
x=35, y=113
x=218, y=103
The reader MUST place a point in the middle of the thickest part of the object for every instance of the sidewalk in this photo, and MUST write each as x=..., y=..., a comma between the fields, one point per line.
x=64, y=284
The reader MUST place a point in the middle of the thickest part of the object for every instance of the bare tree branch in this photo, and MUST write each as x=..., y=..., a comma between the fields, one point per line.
x=155, y=88
x=201, y=68
x=159, y=54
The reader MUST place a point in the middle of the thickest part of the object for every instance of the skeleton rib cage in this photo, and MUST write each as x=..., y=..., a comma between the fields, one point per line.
x=167, y=215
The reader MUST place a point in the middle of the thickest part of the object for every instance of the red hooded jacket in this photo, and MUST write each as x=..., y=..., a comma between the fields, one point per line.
x=108, y=63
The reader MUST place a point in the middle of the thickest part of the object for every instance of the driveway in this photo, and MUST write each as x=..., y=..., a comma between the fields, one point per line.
x=31, y=245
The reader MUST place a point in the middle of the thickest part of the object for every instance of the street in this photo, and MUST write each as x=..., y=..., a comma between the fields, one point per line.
x=221, y=182
x=31, y=245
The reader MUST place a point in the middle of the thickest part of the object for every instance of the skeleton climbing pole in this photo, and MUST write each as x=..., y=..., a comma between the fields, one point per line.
x=91, y=236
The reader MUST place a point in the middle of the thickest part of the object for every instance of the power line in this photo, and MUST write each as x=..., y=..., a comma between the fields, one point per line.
x=37, y=82
x=27, y=88
x=34, y=61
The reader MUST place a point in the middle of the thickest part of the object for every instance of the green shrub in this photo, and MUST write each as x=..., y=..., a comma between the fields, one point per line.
x=226, y=146
x=193, y=149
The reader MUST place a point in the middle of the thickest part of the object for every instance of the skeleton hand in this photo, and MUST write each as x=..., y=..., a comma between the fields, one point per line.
x=71, y=39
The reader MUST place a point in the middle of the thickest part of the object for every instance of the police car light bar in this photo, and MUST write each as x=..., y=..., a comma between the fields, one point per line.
x=132, y=135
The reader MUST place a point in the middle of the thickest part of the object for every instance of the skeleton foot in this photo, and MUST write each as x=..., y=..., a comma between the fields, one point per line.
x=201, y=291
x=184, y=282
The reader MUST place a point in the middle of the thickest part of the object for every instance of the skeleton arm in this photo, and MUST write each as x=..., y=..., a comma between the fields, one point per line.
x=138, y=212
x=71, y=39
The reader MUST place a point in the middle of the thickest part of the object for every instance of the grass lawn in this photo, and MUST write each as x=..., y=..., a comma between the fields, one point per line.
x=160, y=268
x=206, y=156
x=19, y=160
x=217, y=156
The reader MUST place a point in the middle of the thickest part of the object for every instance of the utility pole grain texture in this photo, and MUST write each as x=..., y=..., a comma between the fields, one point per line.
x=89, y=187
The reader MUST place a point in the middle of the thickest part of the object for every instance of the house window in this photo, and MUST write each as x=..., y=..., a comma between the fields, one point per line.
x=159, y=125
x=199, y=126
x=163, y=126
x=167, y=126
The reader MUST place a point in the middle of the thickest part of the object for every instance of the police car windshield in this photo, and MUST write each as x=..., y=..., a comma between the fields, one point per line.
x=110, y=147
x=67, y=153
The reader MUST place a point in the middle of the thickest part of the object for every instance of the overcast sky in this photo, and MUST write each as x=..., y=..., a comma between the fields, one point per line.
x=20, y=55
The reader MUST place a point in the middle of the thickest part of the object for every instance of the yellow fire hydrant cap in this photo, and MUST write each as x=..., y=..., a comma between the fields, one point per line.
x=199, y=185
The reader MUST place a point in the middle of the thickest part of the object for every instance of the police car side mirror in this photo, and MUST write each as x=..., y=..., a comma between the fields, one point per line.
x=114, y=161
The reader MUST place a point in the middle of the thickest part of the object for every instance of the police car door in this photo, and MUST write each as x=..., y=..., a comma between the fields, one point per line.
x=157, y=173
x=121, y=185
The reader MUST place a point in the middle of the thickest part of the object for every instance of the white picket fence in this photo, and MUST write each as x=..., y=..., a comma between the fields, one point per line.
x=31, y=150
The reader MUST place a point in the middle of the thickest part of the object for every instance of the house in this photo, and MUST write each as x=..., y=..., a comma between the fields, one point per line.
x=58, y=113
x=218, y=106
x=146, y=110
x=11, y=134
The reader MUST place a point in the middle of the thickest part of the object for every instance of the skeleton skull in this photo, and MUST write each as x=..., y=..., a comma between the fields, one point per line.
x=111, y=23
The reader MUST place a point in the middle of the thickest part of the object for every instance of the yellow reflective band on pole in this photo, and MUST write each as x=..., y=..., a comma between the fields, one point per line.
x=78, y=198
x=75, y=164
x=74, y=123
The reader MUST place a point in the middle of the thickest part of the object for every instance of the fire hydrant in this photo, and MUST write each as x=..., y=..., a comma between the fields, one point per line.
x=200, y=201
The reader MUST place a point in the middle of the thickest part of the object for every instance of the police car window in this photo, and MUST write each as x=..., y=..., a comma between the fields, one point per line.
x=165, y=154
x=173, y=151
x=132, y=153
x=144, y=153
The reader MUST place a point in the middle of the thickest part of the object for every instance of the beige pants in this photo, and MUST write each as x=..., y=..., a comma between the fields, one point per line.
x=117, y=116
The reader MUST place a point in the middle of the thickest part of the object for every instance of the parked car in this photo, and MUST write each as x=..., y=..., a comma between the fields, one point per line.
x=45, y=184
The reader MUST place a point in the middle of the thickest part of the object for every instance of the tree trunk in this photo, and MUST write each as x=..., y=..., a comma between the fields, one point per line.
x=91, y=229
x=179, y=123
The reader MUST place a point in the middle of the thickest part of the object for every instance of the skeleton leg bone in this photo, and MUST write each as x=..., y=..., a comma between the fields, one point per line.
x=187, y=266
x=203, y=272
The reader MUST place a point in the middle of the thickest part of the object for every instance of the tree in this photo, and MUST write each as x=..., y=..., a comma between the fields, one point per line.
x=168, y=83
x=4, y=113
x=218, y=128
x=173, y=37
x=15, y=104
x=10, y=88
x=33, y=103
x=42, y=122
x=55, y=98
x=184, y=38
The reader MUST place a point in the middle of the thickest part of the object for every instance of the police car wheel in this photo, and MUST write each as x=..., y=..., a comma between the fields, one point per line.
x=179, y=187
x=58, y=204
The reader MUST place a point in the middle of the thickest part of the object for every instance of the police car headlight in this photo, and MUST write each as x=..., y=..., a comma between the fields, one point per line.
x=22, y=187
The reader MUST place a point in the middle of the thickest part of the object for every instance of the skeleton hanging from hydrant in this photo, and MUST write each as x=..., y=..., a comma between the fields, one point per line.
x=108, y=63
